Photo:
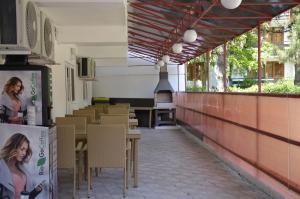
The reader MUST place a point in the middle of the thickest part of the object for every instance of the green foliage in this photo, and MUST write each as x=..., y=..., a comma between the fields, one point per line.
x=202, y=58
x=247, y=83
x=252, y=89
x=242, y=55
x=281, y=86
x=197, y=60
x=292, y=53
x=195, y=89
x=242, y=51
x=191, y=87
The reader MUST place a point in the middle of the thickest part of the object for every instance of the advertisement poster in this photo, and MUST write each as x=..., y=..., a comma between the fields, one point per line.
x=36, y=169
x=21, y=97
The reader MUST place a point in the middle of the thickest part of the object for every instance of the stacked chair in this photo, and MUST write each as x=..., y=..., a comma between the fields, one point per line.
x=99, y=130
x=107, y=149
x=66, y=156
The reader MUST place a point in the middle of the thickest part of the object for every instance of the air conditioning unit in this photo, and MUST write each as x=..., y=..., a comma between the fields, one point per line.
x=86, y=68
x=47, y=38
x=19, y=27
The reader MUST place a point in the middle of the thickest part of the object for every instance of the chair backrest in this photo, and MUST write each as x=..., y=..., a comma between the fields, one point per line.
x=90, y=112
x=66, y=146
x=79, y=122
x=127, y=105
x=115, y=119
x=106, y=146
x=117, y=110
x=87, y=116
x=99, y=110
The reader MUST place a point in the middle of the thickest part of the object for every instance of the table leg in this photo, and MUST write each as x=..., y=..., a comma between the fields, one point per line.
x=136, y=162
x=150, y=118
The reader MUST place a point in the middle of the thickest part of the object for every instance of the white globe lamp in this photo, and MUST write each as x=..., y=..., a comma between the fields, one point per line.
x=231, y=4
x=177, y=48
x=161, y=63
x=166, y=58
x=190, y=35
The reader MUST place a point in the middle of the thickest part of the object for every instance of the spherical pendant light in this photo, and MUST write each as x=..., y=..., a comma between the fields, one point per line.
x=177, y=48
x=190, y=35
x=231, y=4
x=161, y=63
x=166, y=58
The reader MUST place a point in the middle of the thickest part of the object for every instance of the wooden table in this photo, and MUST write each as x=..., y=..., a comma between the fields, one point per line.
x=134, y=136
x=132, y=115
x=144, y=109
x=133, y=123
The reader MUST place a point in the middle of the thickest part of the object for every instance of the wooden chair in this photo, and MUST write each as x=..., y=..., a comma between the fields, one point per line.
x=117, y=110
x=120, y=119
x=107, y=149
x=115, y=119
x=127, y=105
x=79, y=122
x=87, y=112
x=66, y=152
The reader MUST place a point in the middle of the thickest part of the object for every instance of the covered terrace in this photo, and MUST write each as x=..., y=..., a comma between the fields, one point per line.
x=258, y=133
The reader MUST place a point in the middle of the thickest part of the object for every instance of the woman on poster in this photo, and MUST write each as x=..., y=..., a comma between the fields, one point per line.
x=14, y=178
x=10, y=101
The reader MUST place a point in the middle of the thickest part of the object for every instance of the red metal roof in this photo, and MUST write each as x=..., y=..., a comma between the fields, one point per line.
x=155, y=25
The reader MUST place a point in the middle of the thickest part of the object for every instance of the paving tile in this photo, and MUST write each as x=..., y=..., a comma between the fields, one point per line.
x=171, y=167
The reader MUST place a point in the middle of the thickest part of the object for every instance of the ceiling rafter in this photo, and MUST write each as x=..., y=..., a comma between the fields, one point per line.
x=155, y=25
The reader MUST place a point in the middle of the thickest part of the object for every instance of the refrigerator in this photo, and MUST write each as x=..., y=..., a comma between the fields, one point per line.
x=36, y=97
x=41, y=167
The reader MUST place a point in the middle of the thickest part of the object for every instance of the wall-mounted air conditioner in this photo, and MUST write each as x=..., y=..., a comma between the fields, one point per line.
x=19, y=27
x=86, y=68
x=47, y=37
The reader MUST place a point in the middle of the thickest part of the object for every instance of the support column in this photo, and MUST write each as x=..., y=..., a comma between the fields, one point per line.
x=259, y=55
x=195, y=77
x=185, y=78
x=225, y=67
x=207, y=68
x=178, y=78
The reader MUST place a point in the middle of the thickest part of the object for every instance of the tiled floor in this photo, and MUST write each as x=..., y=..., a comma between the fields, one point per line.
x=171, y=167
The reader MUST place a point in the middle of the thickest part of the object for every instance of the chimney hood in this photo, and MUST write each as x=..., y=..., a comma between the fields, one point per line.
x=163, y=84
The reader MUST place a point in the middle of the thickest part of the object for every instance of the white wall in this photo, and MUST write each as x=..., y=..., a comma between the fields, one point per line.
x=133, y=81
x=289, y=70
x=63, y=56
x=92, y=34
x=125, y=82
x=173, y=71
x=216, y=79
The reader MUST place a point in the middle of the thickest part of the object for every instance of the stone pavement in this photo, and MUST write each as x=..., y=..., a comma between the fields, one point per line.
x=172, y=166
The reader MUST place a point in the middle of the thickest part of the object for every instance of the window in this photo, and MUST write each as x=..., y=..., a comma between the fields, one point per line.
x=70, y=82
x=274, y=70
x=276, y=36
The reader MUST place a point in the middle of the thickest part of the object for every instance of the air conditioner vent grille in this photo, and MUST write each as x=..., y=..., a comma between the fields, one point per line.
x=31, y=25
x=48, y=37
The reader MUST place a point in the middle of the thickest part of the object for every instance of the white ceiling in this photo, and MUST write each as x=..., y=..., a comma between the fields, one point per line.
x=85, y=14
x=89, y=23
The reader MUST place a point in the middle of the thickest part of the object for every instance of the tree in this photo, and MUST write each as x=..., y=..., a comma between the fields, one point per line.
x=242, y=54
x=292, y=53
